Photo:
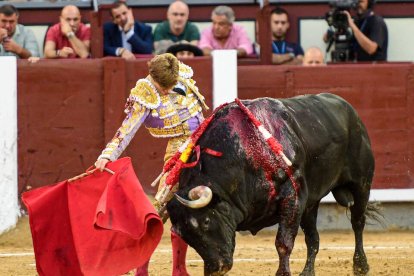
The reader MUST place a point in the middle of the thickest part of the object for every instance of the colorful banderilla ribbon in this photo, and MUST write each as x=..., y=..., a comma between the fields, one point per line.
x=174, y=166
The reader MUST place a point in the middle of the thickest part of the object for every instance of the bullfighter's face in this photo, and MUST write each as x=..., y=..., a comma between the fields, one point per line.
x=210, y=231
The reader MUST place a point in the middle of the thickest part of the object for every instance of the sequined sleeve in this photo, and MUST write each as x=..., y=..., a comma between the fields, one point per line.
x=136, y=115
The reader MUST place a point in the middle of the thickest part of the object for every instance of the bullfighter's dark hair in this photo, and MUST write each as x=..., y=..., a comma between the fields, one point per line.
x=9, y=10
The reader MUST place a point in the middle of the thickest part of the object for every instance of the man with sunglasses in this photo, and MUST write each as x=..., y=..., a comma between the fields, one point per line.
x=176, y=28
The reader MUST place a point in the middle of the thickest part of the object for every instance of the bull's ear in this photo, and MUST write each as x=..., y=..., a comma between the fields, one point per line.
x=224, y=208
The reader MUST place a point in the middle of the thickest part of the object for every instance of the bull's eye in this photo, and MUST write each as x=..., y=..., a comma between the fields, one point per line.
x=193, y=222
x=206, y=223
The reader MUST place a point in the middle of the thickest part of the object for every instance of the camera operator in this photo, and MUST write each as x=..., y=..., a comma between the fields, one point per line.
x=370, y=33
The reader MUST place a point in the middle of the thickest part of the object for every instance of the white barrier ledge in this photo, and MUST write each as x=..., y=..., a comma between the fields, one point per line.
x=9, y=206
x=382, y=195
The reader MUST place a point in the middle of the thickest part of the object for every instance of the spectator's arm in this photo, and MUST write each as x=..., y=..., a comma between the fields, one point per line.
x=11, y=46
x=109, y=50
x=206, y=51
x=31, y=44
x=141, y=44
x=245, y=46
x=366, y=44
x=50, y=49
x=282, y=58
x=241, y=52
x=205, y=42
x=52, y=52
x=80, y=47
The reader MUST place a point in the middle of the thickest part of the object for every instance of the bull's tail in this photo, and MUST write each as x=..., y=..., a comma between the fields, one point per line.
x=374, y=213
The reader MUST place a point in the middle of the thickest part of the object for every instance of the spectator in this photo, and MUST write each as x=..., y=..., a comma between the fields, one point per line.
x=225, y=34
x=15, y=39
x=313, y=57
x=69, y=38
x=176, y=28
x=184, y=49
x=283, y=52
x=124, y=36
x=370, y=33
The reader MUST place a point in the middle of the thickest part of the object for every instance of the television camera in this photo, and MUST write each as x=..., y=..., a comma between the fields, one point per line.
x=339, y=33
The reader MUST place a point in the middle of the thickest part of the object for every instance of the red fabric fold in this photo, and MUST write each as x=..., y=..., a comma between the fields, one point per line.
x=101, y=224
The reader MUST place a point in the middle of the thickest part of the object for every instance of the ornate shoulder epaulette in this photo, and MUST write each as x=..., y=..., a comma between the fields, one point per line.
x=192, y=88
x=146, y=94
x=185, y=71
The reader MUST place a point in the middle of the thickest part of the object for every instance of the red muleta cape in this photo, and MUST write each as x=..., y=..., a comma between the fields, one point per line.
x=101, y=224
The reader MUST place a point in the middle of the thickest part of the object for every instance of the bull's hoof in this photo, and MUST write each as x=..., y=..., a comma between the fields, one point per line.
x=361, y=266
x=283, y=273
x=361, y=271
x=307, y=273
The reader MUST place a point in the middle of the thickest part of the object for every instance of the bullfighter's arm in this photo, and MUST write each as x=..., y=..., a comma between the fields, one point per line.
x=139, y=104
x=136, y=115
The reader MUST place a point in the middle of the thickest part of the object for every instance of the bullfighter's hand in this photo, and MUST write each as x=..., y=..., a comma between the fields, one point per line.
x=101, y=163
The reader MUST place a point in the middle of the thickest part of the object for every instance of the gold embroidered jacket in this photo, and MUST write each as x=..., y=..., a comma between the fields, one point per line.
x=173, y=115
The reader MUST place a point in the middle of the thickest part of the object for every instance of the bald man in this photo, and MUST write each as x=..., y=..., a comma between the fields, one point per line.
x=176, y=28
x=69, y=38
x=313, y=57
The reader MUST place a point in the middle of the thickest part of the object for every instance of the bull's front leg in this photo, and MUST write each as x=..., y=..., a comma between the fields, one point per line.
x=286, y=234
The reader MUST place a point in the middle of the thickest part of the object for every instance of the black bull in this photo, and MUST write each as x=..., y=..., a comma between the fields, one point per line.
x=330, y=150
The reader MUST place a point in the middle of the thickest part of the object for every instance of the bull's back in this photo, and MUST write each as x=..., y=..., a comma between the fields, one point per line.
x=333, y=140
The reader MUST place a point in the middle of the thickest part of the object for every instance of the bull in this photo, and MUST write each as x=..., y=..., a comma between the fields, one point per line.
x=248, y=188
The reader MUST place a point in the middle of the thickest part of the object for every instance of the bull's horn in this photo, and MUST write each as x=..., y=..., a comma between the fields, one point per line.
x=200, y=196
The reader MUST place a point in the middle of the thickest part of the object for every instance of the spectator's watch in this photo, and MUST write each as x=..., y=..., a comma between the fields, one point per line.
x=292, y=55
x=69, y=35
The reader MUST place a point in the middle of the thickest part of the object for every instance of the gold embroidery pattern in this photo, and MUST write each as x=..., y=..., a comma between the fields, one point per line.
x=185, y=71
x=172, y=121
x=179, y=130
x=145, y=94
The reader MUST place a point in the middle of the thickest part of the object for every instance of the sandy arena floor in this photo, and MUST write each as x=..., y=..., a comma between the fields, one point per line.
x=389, y=253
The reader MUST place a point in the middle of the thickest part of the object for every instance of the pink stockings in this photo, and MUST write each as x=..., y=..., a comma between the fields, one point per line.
x=179, y=249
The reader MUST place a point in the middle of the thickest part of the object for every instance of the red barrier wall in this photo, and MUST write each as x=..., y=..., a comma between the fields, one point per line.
x=69, y=109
